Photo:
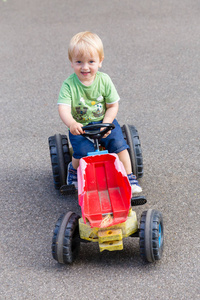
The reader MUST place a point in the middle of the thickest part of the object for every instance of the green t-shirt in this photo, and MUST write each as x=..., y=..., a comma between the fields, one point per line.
x=88, y=103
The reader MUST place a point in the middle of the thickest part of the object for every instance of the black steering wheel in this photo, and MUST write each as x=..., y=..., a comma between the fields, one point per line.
x=92, y=131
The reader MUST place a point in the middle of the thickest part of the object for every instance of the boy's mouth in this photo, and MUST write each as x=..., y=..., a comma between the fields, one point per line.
x=85, y=73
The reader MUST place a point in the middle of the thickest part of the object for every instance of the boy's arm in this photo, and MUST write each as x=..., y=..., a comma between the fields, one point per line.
x=67, y=118
x=111, y=112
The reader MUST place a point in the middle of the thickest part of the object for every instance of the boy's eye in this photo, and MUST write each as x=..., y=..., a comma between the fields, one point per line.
x=91, y=61
x=78, y=61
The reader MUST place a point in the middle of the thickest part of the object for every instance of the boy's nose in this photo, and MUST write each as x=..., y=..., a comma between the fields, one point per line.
x=85, y=66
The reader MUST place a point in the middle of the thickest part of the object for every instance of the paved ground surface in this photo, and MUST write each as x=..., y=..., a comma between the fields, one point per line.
x=152, y=55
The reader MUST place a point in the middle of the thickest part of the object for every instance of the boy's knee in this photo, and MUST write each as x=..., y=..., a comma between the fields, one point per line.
x=80, y=153
x=116, y=146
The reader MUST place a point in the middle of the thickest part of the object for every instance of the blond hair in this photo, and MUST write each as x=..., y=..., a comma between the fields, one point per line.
x=84, y=42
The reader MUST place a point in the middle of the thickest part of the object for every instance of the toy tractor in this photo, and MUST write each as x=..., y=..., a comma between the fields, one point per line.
x=105, y=198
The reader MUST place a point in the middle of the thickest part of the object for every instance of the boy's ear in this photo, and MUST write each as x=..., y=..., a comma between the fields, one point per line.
x=100, y=64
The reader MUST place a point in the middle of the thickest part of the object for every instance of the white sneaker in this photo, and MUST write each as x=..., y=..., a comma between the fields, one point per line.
x=135, y=187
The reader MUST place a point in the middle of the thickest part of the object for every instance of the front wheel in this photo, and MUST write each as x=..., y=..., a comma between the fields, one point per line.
x=151, y=235
x=66, y=239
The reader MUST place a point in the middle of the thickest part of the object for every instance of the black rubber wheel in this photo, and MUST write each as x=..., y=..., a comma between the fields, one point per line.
x=132, y=138
x=151, y=235
x=60, y=158
x=66, y=239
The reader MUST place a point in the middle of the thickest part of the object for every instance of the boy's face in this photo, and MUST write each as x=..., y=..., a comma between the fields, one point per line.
x=86, y=66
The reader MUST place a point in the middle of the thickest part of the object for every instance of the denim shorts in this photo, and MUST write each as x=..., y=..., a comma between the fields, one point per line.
x=114, y=142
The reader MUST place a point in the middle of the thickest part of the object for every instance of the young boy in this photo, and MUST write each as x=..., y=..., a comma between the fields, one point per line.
x=89, y=97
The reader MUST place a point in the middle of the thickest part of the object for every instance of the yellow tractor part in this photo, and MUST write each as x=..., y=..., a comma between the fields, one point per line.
x=109, y=238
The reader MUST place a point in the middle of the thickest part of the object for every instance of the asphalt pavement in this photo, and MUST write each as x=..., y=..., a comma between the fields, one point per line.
x=152, y=54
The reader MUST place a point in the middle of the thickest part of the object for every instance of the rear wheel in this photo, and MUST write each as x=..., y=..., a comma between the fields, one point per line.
x=60, y=158
x=151, y=235
x=132, y=138
x=66, y=240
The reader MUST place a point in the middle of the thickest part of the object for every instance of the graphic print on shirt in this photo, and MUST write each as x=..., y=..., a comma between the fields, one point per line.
x=99, y=110
x=87, y=110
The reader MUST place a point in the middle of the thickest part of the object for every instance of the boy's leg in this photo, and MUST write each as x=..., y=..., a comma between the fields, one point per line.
x=72, y=172
x=80, y=146
x=75, y=163
x=125, y=159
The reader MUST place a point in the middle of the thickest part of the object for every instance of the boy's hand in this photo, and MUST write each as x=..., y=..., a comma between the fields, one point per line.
x=76, y=128
x=107, y=133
